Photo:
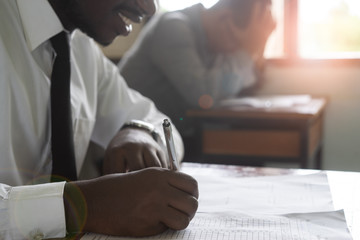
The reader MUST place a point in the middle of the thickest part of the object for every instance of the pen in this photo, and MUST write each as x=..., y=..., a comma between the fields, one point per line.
x=170, y=145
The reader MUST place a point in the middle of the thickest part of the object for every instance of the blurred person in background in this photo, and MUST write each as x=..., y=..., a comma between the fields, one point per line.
x=196, y=57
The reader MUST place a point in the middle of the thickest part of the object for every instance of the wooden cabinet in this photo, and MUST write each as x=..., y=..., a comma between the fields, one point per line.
x=241, y=134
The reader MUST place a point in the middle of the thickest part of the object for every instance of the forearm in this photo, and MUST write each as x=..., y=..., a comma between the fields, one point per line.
x=75, y=208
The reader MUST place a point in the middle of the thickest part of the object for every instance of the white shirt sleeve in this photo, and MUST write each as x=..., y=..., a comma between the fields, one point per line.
x=32, y=212
x=117, y=104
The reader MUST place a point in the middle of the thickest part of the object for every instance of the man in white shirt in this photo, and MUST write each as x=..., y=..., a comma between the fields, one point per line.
x=138, y=203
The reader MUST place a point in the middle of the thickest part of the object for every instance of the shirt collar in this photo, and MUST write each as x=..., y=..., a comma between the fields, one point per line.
x=39, y=21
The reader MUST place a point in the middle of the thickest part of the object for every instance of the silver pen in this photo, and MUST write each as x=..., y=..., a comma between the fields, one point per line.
x=174, y=165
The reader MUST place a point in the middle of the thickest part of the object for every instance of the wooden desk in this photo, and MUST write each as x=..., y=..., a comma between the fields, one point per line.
x=247, y=135
x=344, y=186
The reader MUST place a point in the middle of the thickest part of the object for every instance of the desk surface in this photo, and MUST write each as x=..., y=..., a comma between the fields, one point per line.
x=237, y=109
x=344, y=186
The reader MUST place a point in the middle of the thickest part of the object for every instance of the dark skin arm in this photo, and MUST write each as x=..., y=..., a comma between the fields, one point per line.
x=141, y=203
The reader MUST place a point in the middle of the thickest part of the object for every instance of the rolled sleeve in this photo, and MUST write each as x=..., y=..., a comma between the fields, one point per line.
x=36, y=212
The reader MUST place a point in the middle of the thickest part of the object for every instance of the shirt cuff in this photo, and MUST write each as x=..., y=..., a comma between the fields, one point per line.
x=37, y=211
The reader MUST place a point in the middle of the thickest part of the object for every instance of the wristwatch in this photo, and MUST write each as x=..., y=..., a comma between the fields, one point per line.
x=150, y=128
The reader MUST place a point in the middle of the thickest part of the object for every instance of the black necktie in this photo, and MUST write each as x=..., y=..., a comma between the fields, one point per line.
x=62, y=142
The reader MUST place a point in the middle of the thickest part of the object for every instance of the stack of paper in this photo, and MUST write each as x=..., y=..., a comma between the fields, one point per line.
x=260, y=208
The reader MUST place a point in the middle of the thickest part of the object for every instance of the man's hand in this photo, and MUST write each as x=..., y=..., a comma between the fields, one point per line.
x=140, y=203
x=133, y=149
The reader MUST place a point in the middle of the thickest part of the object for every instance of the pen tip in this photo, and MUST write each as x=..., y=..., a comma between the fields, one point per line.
x=166, y=122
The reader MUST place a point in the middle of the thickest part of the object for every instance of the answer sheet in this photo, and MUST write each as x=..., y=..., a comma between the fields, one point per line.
x=223, y=226
x=266, y=195
x=347, y=184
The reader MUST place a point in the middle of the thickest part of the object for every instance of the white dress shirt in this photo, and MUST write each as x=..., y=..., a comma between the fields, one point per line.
x=101, y=103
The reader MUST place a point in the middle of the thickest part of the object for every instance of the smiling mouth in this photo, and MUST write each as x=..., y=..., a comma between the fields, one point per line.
x=132, y=12
x=127, y=21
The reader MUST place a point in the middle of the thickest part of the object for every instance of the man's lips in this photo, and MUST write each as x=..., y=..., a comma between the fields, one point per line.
x=133, y=11
x=124, y=26
x=126, y=19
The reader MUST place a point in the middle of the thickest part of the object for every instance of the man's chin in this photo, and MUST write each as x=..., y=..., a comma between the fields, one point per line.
x=103, y=41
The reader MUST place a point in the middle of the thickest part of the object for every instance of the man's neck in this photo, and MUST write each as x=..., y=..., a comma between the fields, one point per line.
x=59, y=7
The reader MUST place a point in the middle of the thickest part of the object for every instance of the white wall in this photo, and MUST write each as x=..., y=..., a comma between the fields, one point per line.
x=342, y=118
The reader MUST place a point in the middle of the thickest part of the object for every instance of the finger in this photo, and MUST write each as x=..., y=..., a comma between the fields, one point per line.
x=119, y=163
x=267, y=16
x=150, y=158
x=114, y=162
x=269, y=23
x=153, y=230
x=184, y=183
x=184, y=202
x=255, y=13
x=175, y=219
x=163, y=159
x=235, y=33
x=135, y=159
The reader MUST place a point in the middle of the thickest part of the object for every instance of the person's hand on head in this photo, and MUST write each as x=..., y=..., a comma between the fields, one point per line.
x=140, y=203
x=253, y=38
x=133, y=149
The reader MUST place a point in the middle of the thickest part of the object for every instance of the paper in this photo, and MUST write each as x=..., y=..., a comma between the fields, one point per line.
x=270, y=195
x=220, y=226
x=287, y=207
x=299, y=104
x=284, y=101
x=347, y=184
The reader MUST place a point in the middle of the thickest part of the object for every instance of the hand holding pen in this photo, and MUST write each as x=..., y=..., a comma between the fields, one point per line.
x=173, y=163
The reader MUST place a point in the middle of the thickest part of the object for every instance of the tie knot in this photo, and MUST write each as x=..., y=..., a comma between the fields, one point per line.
x=60, y=44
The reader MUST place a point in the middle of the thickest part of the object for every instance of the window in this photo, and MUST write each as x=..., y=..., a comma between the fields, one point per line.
x=315, y=29
x=306, y=29
x=329, y=28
